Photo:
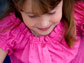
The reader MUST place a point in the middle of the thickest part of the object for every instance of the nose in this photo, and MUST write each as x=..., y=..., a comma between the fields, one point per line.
x=44, y=22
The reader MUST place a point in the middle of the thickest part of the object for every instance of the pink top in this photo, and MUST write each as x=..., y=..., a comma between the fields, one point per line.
x=24, y=47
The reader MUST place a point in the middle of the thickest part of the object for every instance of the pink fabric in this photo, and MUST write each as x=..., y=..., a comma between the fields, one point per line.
x=24, y=47
x=79, y=15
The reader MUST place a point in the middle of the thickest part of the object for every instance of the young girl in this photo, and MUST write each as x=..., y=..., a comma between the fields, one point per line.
x=41, y=31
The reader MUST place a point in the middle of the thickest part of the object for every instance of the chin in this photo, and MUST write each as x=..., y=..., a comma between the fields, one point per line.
x=43, y=33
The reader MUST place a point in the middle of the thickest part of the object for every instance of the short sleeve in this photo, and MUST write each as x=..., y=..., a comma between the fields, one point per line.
x=7, y=38
x=6, y=42
x=79, y=17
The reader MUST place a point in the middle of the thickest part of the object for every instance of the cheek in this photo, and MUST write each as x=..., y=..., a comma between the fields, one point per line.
x=28, y=22
x=57, y=17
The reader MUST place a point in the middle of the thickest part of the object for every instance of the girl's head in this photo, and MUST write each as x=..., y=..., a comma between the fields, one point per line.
x=41, y=22
x=41, y=16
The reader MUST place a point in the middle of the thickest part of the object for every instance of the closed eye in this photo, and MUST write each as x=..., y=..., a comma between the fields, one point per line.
x=33, y=16
x=51, y=13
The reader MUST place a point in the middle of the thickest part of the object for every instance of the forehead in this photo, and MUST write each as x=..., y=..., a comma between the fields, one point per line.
x=30, y=4
x=27, y=5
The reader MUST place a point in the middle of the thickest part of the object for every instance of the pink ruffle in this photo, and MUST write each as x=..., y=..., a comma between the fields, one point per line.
x=7, y=42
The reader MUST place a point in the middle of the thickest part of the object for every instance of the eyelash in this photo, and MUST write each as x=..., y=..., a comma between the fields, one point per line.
x=33, y=16
x=52, y=13
x=38, y=16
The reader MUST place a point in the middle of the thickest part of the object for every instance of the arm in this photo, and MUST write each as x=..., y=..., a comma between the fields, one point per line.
x=2, y=55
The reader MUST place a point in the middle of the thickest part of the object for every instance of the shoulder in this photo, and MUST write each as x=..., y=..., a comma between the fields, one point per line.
x=12, y=32
x=79, y=17
x=79, y=9
x=8, y=24
x=10, y=20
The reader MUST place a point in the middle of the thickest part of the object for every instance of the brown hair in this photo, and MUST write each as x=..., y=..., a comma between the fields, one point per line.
x=44, y=6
